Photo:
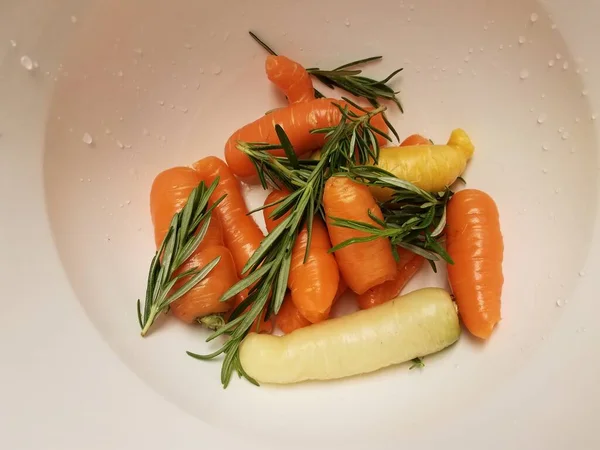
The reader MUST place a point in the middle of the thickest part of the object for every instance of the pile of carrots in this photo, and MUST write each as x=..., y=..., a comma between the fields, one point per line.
x=369, y=270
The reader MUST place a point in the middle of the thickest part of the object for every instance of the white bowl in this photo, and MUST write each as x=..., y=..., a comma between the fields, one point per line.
x=157, y=84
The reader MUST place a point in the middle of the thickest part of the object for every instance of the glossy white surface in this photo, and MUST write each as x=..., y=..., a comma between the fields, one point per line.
x=75, y=252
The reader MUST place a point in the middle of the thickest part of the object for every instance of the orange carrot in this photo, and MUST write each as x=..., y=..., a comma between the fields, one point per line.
x=406, y=268
x=241, y=234
x=289, y=318
x=313, y=284
x=169, y=194
x=366, y=264
x=415, y=139
x=204, y=298
x=291, y=78
x=474, y=242
x=297, y=121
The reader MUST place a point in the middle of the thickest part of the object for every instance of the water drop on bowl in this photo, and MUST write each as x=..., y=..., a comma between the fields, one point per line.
x=27, y=62
x=534, y=17
x=87, y=139
x=524, y=74
x=542, y=118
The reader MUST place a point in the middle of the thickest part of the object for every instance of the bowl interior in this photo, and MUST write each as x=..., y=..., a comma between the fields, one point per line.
x=157, y=85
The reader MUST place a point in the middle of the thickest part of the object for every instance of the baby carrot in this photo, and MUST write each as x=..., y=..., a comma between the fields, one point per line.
x=204, y=298
x=241, y=234
x=406, y=268
x=297, y=120
x=474, y=242
x=415, y=139
x=170, y=191
x=313, y=283
x=366, y=264
x=291, y=78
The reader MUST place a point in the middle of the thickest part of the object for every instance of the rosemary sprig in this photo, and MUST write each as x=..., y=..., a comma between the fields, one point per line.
x=413, y=219
x=417, y=363
x=351, y=81
x=188, y=228
x=269, y=266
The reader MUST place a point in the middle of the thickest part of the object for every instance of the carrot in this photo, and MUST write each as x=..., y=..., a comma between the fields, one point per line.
x=204, y=298
x=240, y=233
x=415, y=139
x=168, y=195
x=313, y=284
x=170, y=191
x=474, y=242
x=406, y=268
x=366, y=264
x=291, y=78
x=297, y=121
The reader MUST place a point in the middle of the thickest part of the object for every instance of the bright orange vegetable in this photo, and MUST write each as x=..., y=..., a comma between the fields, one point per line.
x=314, y=283
x=168, y=196
x=406, y=268
x=297, y=121
x=363, y=265
x=203, y=299
x=241, y=234
x=291, y=78
x=415, y=139
x=474, y=242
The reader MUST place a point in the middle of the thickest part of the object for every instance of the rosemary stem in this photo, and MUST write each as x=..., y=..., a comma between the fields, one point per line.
x=151, y=318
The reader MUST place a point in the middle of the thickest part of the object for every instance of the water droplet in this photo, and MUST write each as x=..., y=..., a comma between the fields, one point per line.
x=460, y=71
x=524, y=74
x=161, y=102
x=411, y=7
x=558, y=56
x=347, y=22
x=444, y=69
x=582, y=274
x=171, y=106
x=572, y=150
x=467, y=58
x=561, y=129
x=565, y=65
x=140, y=52
x=557, y=191
x=13, y=43
x=107, y=131
x=522, y=40
x=534, y=17
x=485, y=28
x=577, y=120
x=120, y=73
x=532, y=109
x=551, y=63
x=73, y=19
x=501, y=46
x=545, y=171
x=87, y=139
x=542, y=118
x=187, y=46
x=542, y=95
x=145, y=132
x=553, y=26
x=481, y=48
x=81, y=180
x=27, y=62
x=545, y=148
x=594, y=116
x=559, y=303
x=565, y=136
x=216, y=70
x=471, y=50
x=184, y=110
x=120, y=144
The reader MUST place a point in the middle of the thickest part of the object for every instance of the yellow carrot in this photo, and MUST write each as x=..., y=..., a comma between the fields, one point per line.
x=430, y=167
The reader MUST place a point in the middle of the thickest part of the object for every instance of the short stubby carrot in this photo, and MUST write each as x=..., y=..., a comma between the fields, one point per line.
x=297, y=120
x=474, y=242
x=204, y=298
x=266, y=326
x=291, y=78
x=366, y=264
x=240, y=233
x=406, y=267
x=168, y=195
x=313, y=283
x=415, y=139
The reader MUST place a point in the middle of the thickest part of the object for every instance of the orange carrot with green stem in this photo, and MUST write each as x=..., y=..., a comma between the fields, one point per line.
x=363, y=264
x=291, y=78
x=474, y=242
x=313, y=282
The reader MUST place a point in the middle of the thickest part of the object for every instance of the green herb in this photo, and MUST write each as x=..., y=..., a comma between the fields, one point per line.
x=186, y=231
x=351, y=81
x=417, y=363
x=269, y=266
x=413, y=219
